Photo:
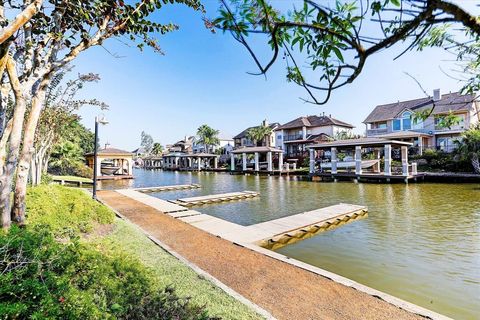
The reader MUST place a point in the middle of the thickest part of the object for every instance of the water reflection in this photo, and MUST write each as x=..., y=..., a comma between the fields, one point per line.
x=421, y=242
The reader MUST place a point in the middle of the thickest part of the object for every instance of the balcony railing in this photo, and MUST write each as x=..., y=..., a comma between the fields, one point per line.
x=375, y=132
x=292, y=137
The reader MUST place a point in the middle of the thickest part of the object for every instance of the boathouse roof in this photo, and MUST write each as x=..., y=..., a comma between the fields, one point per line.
x=364, y=142
x=257, y=149
x=110, y=152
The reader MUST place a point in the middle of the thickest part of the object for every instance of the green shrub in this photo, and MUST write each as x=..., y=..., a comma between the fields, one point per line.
x=82, y=170
x=41, y=278
x=65, y=210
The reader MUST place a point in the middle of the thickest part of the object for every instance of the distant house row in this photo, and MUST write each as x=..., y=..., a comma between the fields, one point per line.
x=393, y=121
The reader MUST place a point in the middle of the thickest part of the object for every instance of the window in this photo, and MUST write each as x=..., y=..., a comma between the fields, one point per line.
x=397, y=124
x=279, y=137
x=382, y=125
x=406, y=120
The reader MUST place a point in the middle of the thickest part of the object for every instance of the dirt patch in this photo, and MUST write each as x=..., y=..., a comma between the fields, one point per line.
x=99, y=231
x=284, y=290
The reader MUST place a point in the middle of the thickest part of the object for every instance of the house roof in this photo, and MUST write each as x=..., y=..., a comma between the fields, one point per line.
x=257, y=149
x=110, y=151
x=314, y=121
x=448, y=102
x=366, y=142
x=243, y=134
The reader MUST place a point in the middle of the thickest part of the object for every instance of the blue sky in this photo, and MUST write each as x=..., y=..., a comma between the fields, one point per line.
x=202, y=79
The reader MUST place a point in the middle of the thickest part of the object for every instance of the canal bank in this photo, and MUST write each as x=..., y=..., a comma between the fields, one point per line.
x=419, y=242
x=285, y=290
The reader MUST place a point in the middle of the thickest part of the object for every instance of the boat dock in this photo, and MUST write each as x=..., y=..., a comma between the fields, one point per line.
x=168, y=188
x=277, y=233
x=271, y=234
x=215, y=198
x=366, y=177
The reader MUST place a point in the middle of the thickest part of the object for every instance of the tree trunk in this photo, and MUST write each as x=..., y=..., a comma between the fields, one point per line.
x=476, y=163
x=18, y=210
x=6, y=179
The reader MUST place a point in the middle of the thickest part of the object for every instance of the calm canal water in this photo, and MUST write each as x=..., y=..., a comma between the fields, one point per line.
x=420, y=242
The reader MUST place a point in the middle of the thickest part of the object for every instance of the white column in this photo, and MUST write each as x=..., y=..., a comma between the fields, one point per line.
x=130, y=167
x=269, y=161
x=232, y=161
x=358, y=159
x=257, y=167
x=312, y=160
x=420, y=146
x=199, y=163
x=244, y=161
x=388, y=160
x=304, y=133
x=414, y=169
x=215, y=162
x=376, y=167
x=99, y=166
x=280, y=161
x=405, y=160
x=333, y=152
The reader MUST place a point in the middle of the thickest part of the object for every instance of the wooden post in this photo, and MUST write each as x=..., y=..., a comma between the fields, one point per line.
x=404, y=160
x=232, y=161
x=215, y=162
x=388, y=160
x=269, y=161
x=244, y=161
x=312, y=161
x=333, y=152
x=257, y=167
x=358, y=160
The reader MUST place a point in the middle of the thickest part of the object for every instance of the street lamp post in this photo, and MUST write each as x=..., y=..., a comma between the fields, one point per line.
x=104, y=121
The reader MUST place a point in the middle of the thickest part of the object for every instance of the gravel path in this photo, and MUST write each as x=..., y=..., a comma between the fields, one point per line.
x=285, y=291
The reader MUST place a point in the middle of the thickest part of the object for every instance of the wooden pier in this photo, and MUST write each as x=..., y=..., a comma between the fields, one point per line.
x=168, y=188
x=215, y=198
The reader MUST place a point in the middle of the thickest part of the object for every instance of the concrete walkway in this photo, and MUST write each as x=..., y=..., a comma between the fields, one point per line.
x=283, y=289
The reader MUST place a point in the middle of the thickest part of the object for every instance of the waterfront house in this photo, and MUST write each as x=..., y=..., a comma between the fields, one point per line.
x=395, y=120
x=182, y=146
x=241, y=140
x=225, y=145
x=294, y=136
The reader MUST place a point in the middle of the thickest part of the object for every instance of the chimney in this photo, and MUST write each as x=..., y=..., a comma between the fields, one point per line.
x=436, y=95
x=186, y=139
x=265, y=123
x=107, y=145
x=323, y=114
x=330, y=115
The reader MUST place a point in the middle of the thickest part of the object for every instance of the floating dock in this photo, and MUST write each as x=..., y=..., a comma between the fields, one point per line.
x=277, y=233
x=168, y=188
x=215, y=198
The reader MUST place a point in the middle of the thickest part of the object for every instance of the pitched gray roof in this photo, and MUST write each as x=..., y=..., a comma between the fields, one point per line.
x=113, y=151
x=373, y=141
x=314, y=121
x=257, y=149
x=243, y=134
x=448, y=102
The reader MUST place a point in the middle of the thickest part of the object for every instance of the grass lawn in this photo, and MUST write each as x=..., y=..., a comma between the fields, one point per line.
x=170, y=271
x=72, y=178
